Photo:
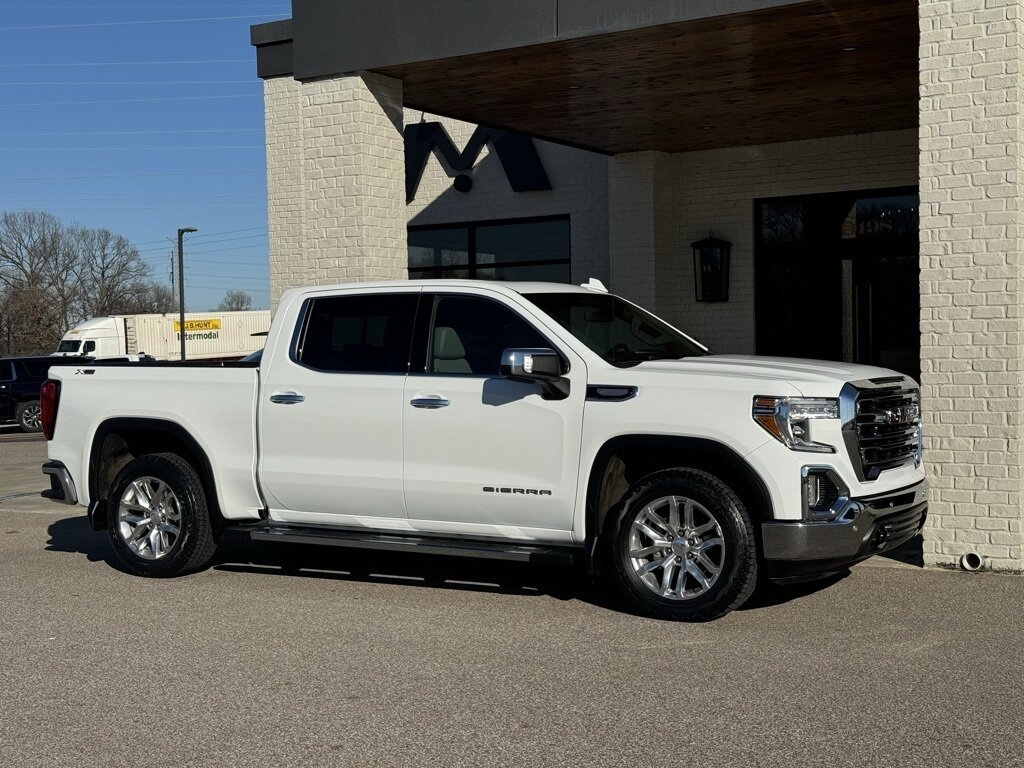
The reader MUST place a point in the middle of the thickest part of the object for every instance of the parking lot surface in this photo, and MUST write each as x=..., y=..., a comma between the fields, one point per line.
x=311, y=657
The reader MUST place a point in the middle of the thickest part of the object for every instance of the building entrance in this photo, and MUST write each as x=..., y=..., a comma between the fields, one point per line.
x=838, y=278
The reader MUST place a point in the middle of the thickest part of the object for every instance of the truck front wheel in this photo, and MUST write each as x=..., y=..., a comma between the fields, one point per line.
x=159, y=521
x=682, y=546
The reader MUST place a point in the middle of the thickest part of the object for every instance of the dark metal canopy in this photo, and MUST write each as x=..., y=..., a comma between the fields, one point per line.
x=623, y=76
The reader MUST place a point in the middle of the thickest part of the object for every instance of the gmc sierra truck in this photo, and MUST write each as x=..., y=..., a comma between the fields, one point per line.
x=521, y=421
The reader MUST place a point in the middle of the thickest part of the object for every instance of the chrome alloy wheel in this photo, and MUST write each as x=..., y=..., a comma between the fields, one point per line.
x=32, y=417
x=149, y=518
x=676, y=548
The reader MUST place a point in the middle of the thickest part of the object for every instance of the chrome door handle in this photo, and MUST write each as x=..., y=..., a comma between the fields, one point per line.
x=287, y=398
x=429, y=402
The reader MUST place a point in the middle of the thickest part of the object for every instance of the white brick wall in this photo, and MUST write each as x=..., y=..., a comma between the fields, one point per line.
x=715, y=191
x=579, y=183
x=336, y=173
x=971, y=277
x=286, y=208
x=640, y=223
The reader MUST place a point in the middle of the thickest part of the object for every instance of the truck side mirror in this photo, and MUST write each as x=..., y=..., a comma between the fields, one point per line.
x=540, y=366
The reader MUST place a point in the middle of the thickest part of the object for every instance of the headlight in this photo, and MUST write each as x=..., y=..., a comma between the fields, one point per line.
x=787, y=419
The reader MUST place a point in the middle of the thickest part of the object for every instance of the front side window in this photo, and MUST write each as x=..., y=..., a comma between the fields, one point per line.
x=621, y=333
x=6, y=371
x=470, y=334
x=370, y=333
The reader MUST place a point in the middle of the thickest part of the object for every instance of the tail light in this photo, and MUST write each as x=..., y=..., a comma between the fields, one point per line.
x=49, y=397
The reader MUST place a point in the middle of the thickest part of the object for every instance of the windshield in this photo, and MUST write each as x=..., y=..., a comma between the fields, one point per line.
x=618, y=331
x=69, y=345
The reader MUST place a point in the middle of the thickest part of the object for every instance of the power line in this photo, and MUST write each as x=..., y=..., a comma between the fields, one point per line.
x=128, y=149
x=200, y=237
x=130, y=175
x=221, y=250
x=137, y=23
x=224, y=232
x=182, y=207
x=131, y=101
x=239, y=278
x=136, y=82
x=222, y=240
x=130, y=63
x=186, y=195
x=130, y=7
x=131, y=133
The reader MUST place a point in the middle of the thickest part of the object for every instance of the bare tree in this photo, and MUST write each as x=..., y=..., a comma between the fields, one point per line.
x=152, y=298
x=235, y=301
x=111, y=274
x=53, y=276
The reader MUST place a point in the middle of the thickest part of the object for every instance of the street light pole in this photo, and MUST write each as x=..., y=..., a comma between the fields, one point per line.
x=181, y=287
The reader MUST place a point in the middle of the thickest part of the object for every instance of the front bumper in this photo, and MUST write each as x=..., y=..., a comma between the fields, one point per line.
x=62, y=487
x=868, y=526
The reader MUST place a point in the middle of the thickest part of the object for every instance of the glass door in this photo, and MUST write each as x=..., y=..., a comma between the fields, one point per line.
x=837, y=278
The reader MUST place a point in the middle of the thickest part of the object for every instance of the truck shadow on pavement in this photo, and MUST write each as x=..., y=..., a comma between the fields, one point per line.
x=73, y=535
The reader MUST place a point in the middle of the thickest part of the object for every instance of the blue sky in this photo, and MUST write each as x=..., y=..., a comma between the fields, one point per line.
x=99, y=125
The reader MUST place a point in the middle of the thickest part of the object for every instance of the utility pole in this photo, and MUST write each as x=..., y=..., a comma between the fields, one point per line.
x=181, y=287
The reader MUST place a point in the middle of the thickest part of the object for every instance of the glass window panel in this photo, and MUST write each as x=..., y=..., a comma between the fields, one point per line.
x=33, y=369
x=782, y=222
x=881, y=216
x=547, y=273
x=371, y=333
x=470, y=335
x=438, y=247
x=523, y=241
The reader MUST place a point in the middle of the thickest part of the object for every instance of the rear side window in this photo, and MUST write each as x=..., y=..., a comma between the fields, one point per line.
x=370, y=333
x=33, y=369
x=6, y=371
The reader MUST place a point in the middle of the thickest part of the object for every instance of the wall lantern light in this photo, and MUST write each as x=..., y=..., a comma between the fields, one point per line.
x=711, y=268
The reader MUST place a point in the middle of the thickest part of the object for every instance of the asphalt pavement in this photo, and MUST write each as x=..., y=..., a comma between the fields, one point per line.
x=314, y=657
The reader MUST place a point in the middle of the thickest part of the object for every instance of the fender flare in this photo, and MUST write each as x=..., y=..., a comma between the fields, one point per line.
x=150, y=426
x=717, y=454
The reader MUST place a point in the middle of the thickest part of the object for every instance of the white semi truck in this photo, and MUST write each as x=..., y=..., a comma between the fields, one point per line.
x=208, y=336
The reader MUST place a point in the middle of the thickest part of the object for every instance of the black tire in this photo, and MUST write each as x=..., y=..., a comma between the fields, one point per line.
x=28, y=416
x=737, y=555
x=194, y=546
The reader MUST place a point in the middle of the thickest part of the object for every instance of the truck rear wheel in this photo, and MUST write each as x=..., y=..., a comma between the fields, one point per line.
x=30, y=416
x=683, y=547
x=159, y=522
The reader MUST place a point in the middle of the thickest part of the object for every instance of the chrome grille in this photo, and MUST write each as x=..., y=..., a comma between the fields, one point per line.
x=883, y=430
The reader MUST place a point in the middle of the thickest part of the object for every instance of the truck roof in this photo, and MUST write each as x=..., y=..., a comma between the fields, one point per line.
x=506, y=285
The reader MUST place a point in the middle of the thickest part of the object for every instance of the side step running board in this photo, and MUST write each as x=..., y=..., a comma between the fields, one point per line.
x=431, y=545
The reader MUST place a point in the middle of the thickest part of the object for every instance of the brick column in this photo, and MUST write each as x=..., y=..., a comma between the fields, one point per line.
x=641, y=223
x=972, y=189
x=336, y=181
x=286, y=204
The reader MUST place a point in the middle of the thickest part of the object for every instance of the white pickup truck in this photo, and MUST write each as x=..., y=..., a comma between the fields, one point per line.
x=523, y=421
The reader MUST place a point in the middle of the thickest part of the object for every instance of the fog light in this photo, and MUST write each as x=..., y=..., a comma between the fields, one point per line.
x=824, y=493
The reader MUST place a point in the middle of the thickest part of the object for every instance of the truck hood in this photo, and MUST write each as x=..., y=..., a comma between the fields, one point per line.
x=813, y=378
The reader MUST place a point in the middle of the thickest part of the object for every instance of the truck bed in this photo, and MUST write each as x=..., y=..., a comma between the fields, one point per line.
x=205, y=399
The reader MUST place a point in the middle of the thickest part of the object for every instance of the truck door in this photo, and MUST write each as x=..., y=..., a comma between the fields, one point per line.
x=330, y=411
x=480, y=449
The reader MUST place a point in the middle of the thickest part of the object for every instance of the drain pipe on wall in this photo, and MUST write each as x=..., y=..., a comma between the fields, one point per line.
x=972, y=561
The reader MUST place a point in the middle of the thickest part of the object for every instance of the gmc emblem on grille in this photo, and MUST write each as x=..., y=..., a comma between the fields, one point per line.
x=904, y=414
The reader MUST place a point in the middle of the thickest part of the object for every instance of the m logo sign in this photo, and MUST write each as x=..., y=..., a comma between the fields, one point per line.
x=516, y=153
